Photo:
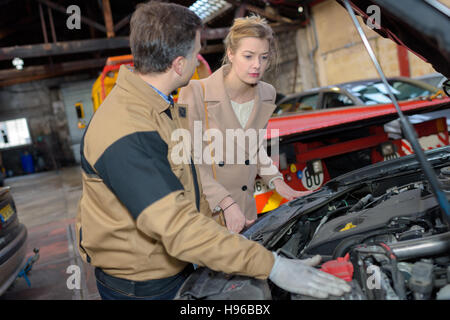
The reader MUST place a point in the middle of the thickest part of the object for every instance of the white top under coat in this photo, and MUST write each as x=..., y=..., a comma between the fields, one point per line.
x=243, y=111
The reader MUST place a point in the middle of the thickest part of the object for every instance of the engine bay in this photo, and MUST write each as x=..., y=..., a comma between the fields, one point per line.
x=389, y=240
x=382, y=230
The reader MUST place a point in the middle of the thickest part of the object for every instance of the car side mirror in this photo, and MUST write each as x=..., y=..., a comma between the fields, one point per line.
x=446, y=87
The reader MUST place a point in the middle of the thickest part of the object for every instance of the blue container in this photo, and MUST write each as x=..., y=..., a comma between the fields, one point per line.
x=27, y=163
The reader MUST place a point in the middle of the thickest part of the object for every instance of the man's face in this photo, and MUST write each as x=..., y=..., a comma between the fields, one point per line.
x=191, y=61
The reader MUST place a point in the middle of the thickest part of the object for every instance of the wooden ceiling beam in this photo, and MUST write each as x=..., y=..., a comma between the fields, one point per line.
x=284, y=27
x=61, y=48
x=122, y=23
x=240, y=11
x=212, y=48
x=89, y=45
x=77, y=46
x=269, y=15
x=108, y=18
x=269, y=12
x=13, y=76
x=43, y=24
x=214, y=33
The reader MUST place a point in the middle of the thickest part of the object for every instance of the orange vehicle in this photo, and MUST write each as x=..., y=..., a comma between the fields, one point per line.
x=106, y=80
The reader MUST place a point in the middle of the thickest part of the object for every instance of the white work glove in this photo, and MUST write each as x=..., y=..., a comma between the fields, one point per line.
x=299, y=276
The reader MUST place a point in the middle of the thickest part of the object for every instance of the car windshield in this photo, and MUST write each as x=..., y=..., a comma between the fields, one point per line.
x=376, y=93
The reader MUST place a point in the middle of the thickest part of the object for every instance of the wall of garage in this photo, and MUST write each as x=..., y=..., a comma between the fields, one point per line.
x=285, y=76
x=45, y=105
x=342, y=57
x=329, y=51
x=295, y=70
x=71, y=94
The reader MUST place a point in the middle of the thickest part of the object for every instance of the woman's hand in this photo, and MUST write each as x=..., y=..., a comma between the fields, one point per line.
x=287, y=192
x=234, y=218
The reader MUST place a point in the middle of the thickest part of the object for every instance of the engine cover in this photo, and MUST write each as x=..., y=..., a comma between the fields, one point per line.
x=408, y=203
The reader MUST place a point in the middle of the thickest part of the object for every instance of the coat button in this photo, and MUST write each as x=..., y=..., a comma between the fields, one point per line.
x=244, y=188
x=247, y=162
x=221, y=164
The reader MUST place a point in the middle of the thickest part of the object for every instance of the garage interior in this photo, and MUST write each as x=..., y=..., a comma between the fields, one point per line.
x=48, y=69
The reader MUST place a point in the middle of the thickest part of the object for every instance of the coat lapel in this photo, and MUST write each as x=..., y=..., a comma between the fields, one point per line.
x=219, y=106
x=221, y=111
x=221, y=114
x=262, y=109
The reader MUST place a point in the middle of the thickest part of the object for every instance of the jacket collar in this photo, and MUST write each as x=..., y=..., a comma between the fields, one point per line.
x=215, y=87
x=129, y=80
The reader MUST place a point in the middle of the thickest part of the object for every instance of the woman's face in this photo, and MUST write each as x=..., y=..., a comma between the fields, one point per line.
x=250, y=60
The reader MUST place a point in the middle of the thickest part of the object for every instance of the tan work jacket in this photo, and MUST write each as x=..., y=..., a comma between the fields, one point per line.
x=141, y=216
x=233, y=178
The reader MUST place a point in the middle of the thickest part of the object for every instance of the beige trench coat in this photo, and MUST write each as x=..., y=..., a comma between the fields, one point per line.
x=233, y=177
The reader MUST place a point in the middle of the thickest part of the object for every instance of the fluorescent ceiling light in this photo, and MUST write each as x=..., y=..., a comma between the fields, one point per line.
x=209, y=9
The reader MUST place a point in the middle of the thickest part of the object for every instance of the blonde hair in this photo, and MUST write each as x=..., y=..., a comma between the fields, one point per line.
x=253, y=26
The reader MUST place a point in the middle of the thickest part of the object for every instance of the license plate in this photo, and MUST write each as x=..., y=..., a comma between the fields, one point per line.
x=260, y=187
x=6, y=213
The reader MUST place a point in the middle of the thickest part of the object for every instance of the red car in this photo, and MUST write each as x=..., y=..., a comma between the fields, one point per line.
x=320, y=145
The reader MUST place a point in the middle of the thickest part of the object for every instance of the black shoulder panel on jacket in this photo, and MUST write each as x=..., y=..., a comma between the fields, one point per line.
x=136, y=169
x=85, y=165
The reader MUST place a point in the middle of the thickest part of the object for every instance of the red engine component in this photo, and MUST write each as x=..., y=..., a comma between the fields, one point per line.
x=341, y=268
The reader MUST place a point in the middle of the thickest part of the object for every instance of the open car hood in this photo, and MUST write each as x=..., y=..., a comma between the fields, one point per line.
x=420, y=25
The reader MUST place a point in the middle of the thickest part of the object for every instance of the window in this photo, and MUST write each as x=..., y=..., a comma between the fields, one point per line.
x=335, y=100
x=14, y=133
x=375, y=92
x=285, y=107
x=308, y=102
x=297, y=104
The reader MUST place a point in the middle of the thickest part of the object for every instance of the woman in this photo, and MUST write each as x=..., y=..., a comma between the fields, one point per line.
x=233, y=97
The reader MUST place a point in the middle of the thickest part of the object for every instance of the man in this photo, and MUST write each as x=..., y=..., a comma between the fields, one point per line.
x=142, y=219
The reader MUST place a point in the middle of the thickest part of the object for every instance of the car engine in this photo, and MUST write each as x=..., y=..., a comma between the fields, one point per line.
x=384, y=234
x=389, y=241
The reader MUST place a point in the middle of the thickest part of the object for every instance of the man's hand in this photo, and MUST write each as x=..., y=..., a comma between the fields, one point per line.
x=300, y=276
x=287, y=192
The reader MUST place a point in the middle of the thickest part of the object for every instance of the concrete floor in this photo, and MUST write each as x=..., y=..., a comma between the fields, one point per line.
x=47, y=205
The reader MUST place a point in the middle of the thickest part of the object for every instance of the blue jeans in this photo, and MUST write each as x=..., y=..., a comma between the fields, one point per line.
x=113, y=288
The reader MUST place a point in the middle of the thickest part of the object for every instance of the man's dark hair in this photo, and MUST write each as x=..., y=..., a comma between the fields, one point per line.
x=160, y=32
